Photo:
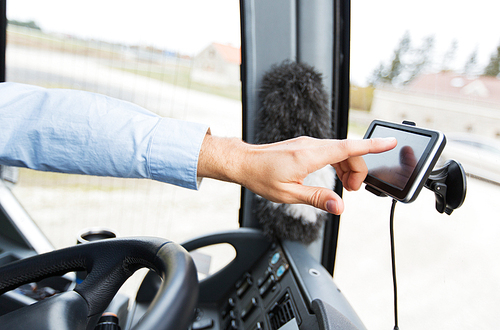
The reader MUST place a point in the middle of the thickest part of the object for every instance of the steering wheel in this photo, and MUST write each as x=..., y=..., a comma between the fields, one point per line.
x=109, y=263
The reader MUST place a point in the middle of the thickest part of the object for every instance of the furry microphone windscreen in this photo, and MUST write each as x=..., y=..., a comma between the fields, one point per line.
x=294, y=103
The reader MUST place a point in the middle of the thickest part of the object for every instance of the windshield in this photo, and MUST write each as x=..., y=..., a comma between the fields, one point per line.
x=179, y=59
x=435, y=63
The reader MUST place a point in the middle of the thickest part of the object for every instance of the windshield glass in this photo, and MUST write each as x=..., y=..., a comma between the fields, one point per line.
x=435, y=63
x=179, y=59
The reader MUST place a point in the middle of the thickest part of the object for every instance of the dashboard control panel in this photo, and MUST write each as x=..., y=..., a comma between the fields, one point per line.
x=264, y=297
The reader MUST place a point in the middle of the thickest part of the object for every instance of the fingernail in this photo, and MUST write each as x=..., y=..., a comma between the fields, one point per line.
x=331, y=206
x=389, y=139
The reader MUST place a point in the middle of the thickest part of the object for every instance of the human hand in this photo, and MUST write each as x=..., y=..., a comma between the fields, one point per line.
x=277, y=171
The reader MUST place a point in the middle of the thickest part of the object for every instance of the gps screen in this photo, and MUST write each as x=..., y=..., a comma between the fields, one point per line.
x=396, y=166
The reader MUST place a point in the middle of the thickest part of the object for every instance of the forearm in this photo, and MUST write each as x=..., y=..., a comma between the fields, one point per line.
x=84, y=133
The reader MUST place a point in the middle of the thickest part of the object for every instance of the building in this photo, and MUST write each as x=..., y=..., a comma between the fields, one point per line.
x=217, y=65
x=445, y=101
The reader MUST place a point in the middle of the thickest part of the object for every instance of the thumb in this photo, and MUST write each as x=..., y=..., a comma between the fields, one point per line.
x=321, y=198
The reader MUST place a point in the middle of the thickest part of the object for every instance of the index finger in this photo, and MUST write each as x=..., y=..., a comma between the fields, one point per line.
x=369, y=146
x=353, y=148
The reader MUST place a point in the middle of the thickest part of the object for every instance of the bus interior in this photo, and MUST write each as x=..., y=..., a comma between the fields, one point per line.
x=219, y=269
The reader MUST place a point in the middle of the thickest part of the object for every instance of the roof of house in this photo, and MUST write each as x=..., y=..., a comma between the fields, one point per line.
x=229, y=53
x=481, y=88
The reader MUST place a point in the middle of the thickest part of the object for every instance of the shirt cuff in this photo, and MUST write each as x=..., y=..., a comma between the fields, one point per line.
x=174, y=151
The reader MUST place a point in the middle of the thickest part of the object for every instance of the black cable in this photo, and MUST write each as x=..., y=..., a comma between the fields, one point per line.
x=393, y=257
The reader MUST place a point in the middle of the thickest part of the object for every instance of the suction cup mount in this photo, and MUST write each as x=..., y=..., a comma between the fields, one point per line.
x=449, y=184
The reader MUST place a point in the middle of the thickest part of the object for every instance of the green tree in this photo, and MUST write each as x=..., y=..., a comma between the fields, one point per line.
x=470, y=67
x=28, y=24
x=377, y=75
x=422, y=57
x=406, y=64
x=388, y=74
x=493, y=67
x=449, y=56
x=397, y=65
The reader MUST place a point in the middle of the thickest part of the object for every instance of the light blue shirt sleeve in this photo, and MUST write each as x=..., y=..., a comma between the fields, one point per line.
x=85, y=133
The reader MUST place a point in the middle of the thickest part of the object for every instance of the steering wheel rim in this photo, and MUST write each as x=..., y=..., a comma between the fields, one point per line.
x=109, y=263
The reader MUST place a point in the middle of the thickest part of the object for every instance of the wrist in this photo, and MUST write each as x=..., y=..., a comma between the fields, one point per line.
x=222, y=158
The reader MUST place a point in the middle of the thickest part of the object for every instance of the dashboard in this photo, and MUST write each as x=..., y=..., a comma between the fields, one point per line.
x=269, y=285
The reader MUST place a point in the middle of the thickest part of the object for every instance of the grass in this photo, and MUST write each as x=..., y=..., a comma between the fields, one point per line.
x=181, y=77
x=37, y=39
x=32, y=178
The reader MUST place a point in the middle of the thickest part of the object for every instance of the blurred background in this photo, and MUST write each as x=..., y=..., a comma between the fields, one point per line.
x=432, y=62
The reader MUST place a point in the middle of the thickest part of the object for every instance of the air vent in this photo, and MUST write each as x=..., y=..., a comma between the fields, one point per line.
x=282, y=312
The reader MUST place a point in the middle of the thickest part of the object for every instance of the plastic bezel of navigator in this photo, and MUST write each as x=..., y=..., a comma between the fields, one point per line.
x=425, y=163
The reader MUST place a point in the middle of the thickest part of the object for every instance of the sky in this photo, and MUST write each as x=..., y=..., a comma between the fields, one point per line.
x=185, y=25
x=190, y=25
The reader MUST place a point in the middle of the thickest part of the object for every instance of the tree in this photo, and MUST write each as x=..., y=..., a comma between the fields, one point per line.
x=470, y=67
x=421, y=58
x=397, y=65
x=389, y=74
x=28, y=24
x=493, y=67
x=377, y=75
x=407, y=62
x=449, y=56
